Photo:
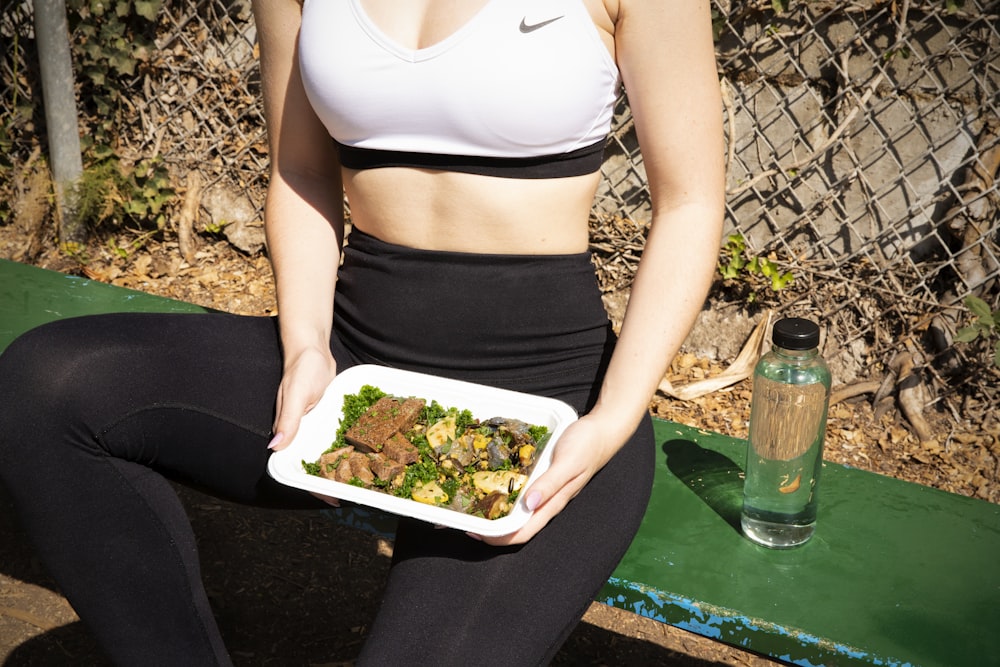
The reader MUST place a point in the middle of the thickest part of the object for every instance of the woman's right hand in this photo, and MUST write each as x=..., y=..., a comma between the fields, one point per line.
x=303, y=218
x=307, y=375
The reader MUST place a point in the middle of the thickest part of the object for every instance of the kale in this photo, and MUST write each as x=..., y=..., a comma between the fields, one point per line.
x=463, y=420
x=540, y=434
x=435, y=412
x=450, y=486
x=432, y=412
x=420, y=472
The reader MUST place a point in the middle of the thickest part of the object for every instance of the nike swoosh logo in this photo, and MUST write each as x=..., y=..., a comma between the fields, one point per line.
x=525, y=28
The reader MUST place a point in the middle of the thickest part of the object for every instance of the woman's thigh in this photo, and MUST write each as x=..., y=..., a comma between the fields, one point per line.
x=191, y=396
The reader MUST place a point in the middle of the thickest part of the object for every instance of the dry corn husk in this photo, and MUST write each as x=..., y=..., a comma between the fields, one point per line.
x=740, y=369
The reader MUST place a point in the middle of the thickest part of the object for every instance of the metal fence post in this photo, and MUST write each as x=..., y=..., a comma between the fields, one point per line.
x=62, y=129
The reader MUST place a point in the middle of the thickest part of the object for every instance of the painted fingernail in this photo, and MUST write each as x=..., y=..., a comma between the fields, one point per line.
x=532, y=500
x=276, y=440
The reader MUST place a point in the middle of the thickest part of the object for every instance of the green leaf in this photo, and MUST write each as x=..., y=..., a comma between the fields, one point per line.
x=729, y=272
x=93, y=50
x=779, y=6
x=996, y=354
x=103, y=151
x=718, y=24
x=768, y=268
x=112, y=34
x=96, y=74
x=122, y=63
x=86, y=30
x=148, y=9
x=779, y=283
x=980, y=309
x=967, y=334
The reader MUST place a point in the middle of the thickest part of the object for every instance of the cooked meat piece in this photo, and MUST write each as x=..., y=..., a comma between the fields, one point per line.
x=398, y=448
x=494, y=505
x=344, y=472
x=333, y=457
x=360, y=467
x=384, y=467
x=329, y=461
x=387, y=416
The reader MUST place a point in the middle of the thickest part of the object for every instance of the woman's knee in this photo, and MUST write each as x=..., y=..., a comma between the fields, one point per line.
x=51, y=385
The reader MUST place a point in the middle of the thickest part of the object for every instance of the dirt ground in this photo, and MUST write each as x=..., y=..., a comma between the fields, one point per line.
x=297, y=589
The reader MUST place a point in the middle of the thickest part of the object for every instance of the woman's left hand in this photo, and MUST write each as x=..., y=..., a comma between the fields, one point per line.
x=583, y=449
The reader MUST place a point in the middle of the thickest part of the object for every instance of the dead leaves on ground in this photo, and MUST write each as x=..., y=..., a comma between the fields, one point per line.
x=219, y=278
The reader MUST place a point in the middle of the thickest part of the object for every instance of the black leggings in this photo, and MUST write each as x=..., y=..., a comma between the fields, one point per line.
x=98, y=412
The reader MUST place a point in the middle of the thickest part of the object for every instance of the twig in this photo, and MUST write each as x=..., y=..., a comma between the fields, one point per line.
x=189, y=211
x=727, y=101
x=29, y=618
x=851, y=390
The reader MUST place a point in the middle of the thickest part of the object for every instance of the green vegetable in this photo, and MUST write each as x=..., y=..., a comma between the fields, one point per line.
x=432, y=412
x=540, y=434
x=424, y=470
x=451, y=486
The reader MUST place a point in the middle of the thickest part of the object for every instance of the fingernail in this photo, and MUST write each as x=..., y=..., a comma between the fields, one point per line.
x=276, y=440
x=477, y=538
x=532, y=500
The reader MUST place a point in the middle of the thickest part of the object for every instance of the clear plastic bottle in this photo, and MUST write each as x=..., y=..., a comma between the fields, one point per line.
x=791, y=392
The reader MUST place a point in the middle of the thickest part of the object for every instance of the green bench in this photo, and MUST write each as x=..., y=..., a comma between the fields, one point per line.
x=897, y=574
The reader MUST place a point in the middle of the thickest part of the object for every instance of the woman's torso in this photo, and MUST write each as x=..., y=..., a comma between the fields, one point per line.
x=478, y=61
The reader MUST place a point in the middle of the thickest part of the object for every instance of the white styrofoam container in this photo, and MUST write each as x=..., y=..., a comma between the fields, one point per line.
x=319, y=428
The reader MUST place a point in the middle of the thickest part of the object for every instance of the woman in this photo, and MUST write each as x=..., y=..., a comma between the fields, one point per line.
x=467, y=137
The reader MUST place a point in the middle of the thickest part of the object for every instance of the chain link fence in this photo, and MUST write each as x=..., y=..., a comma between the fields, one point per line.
x=863, y=152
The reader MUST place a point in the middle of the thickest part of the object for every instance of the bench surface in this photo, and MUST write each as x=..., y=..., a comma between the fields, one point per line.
x=897, y=573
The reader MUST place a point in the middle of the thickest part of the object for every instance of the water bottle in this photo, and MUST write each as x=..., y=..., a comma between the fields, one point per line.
x=791, y=392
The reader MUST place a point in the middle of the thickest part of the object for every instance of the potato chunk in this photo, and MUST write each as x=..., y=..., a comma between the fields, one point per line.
x=504, y=481
x=430, y=493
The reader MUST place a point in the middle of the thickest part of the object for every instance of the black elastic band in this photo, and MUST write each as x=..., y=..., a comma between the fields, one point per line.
x=582, y=161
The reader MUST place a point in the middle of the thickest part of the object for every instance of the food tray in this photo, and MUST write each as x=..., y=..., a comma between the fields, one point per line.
x=319, y=428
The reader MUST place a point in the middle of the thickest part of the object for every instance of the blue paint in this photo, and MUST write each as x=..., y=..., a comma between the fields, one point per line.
x=711, y=623
x=803, y=662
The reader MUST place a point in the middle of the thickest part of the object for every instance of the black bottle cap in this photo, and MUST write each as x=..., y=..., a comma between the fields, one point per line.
x=795, y=333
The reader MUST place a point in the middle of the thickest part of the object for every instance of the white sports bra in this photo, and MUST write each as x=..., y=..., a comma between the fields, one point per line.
x=525, y=89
